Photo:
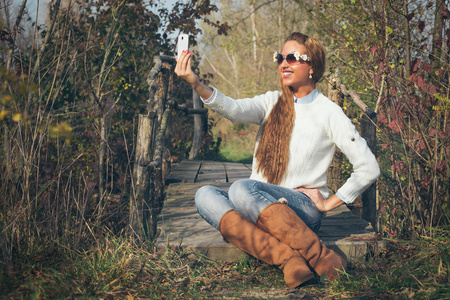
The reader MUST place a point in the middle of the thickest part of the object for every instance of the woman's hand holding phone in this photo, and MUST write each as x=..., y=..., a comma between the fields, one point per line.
x=184, y=70
x=183, y=67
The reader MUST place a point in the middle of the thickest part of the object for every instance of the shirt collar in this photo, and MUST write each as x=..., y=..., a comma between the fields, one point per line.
x=308, y=98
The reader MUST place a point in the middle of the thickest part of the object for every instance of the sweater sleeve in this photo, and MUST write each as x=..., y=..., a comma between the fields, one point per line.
x=246, y=110
x=365, y=165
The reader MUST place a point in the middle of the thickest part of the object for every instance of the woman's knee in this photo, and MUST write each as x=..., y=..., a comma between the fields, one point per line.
x=240, y=189
x=212, y=198
x=212, y=203
x=204, y=194
x=247, y=199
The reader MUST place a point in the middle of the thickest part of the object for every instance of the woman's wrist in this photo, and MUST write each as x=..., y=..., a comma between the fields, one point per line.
x=196, y=83
x=204, y=91
x=332, y=202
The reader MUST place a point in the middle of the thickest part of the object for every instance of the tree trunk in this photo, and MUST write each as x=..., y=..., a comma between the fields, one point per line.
x=14, y=33
x=437, y=35
x=408, y=39
x=101, y=158
x=109, y=106
x=255, y=45
x=280, y=23
x=254, y=34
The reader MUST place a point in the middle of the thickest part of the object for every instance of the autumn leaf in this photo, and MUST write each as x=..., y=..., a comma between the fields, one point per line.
x=3, y=114
x=60, y=130
x=17, y=117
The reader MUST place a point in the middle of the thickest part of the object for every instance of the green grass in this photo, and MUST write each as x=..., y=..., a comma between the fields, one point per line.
x=238, y=140
x=232, y=153
x=118, y=269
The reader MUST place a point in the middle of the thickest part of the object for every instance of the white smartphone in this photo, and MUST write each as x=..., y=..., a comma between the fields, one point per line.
x=182, y=44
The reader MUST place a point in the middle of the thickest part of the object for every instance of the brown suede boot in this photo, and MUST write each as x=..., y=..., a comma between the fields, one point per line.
x=246, y=236
x=283, y=223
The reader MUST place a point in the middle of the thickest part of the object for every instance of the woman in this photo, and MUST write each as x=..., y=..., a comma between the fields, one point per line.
x=276, y=214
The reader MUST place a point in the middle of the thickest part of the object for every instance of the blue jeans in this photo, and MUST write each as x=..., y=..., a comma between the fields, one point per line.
x=249, y=197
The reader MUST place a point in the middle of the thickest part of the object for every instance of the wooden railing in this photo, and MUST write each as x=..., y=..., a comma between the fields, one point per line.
x=152, y=158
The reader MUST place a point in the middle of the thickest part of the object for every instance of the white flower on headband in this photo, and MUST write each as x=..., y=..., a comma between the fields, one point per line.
x=297, y=55
x=275, y=56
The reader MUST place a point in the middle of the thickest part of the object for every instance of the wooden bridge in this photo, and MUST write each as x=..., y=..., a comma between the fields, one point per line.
x=181, y=225
x=175, y=216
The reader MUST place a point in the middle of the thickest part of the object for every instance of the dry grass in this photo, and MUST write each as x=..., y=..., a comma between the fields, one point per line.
x=119, y=269
x=417, y=269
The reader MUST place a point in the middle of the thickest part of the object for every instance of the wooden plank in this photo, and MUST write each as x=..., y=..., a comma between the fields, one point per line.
x=236, y=171
x=342, y=230
x=186, y=171
x=212, y=171
x=353, y=222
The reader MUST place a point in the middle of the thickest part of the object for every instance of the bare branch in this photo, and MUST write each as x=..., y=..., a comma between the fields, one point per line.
x=215, y=69
x=14, y=34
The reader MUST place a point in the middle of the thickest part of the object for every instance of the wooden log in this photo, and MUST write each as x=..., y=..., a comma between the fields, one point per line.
x=163, y=109
x=152, y=78
x=192, y=111
x=333, y=93
x=141, y=214
x=161, y=151
x=357, y=100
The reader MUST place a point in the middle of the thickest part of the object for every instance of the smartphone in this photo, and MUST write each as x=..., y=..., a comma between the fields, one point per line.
x=182, y=44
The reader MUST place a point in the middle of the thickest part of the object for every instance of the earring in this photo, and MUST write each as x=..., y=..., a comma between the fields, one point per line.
x=310, y=76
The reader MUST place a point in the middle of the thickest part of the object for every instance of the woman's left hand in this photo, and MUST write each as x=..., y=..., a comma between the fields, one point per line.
x=316, y=197
x=322, y=204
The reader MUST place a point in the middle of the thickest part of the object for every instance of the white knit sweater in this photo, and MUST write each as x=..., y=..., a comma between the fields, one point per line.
x=320, y=125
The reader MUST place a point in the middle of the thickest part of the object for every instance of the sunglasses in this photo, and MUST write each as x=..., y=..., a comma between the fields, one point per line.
x=292, y=58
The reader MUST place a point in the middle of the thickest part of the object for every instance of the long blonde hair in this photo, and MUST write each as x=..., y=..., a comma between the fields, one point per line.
x=272, y=154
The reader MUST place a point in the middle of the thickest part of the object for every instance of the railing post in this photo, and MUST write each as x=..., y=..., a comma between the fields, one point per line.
x=141, y=212
x=198, y=126
x=369, y=197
